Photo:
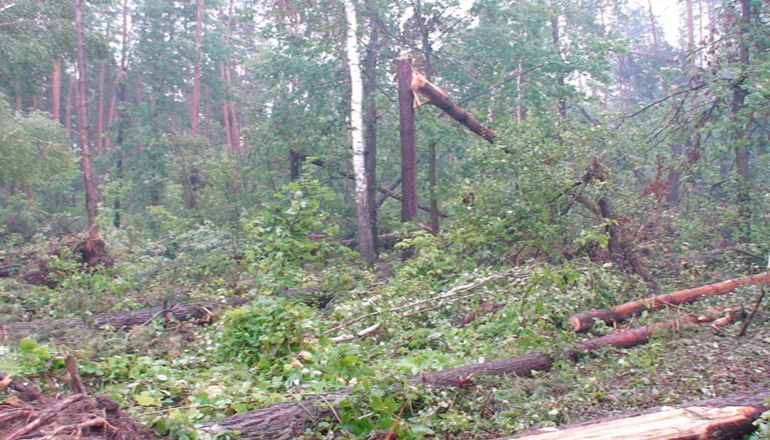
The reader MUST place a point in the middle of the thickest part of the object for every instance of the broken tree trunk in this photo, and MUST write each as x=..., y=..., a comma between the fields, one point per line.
x=288, y=420
x=582, y=322
x=629, y=337
x=717, y=419
x=198, y=311
x=440, y=99
x=405, y=75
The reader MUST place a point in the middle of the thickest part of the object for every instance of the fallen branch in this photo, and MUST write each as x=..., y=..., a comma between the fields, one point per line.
x=393, y=195
x=629, y=337
x=27, y=394
x=452, y=292
x=45, y=416
x=751, y=315
x=582, y=322
x=288, y=420
x=440, y=99
x=360, y=334
x=198, y=311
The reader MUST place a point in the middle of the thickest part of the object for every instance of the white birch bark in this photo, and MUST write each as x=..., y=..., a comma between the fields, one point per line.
x=365, y=238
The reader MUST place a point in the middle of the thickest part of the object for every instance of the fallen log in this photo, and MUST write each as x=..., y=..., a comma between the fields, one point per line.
x=197, y=311
x=289, y=420
x=582, y=322
x=629, y=337
x=716, y=419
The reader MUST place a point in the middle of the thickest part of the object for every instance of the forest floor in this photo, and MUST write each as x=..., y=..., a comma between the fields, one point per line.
x=690, y=364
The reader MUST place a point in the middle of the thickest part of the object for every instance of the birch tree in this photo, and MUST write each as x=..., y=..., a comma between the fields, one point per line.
x=363, y=214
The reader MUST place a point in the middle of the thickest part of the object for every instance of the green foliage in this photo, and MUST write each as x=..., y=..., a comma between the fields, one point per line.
x=29, y=359
x=763, y=427
x=200, y=223
x=291, y=234
x=266, y=333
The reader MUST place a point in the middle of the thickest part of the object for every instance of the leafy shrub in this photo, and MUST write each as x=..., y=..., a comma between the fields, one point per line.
x=286, y=236
x=265, y=332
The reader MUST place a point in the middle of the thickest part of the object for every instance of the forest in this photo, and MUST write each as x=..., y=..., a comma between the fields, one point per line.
x=379, y=219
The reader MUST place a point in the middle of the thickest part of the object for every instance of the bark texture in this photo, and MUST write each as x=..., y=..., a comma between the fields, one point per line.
x=716, y=419
x=629, y=337
x=407, y=132
x=440, y=99
x=288, y=420
x=366, y=244
x=582, y=322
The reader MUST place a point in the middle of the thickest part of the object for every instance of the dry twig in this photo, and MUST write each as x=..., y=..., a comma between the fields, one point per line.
x=45, y=416
x=450, y=293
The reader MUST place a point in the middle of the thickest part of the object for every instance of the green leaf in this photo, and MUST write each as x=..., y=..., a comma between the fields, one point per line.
x=28, y=345
x=145, y=399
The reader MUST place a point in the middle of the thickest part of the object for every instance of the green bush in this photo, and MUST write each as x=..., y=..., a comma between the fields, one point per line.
x=265, y=333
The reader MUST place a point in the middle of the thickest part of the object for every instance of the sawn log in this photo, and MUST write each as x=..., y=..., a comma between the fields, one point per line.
x=582, y=322
x=289, y=420
x=716, y=419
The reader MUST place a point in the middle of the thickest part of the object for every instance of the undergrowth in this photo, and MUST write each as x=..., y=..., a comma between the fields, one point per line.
x=430, y=315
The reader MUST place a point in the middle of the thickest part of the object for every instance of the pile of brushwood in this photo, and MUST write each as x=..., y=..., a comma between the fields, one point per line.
x=29, y=415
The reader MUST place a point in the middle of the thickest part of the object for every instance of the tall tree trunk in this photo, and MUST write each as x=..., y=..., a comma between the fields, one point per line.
x=100, y=128
x=119, y=97
x=56, y=90
x=226, y=112
x=740, y=138
x=363, y=206
x=370, y=121
x=559, y=75
x=83, y=125
x=407, y=132
x=235, y=131
x=196, y=91
x=427, y=50
x=434, y=223
x=68, y=99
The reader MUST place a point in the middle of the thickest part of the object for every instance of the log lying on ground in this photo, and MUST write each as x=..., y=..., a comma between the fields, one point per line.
x=715, y=419
x=198, y=311
x=582, y=322
x=289, y=420
x=629, y=337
